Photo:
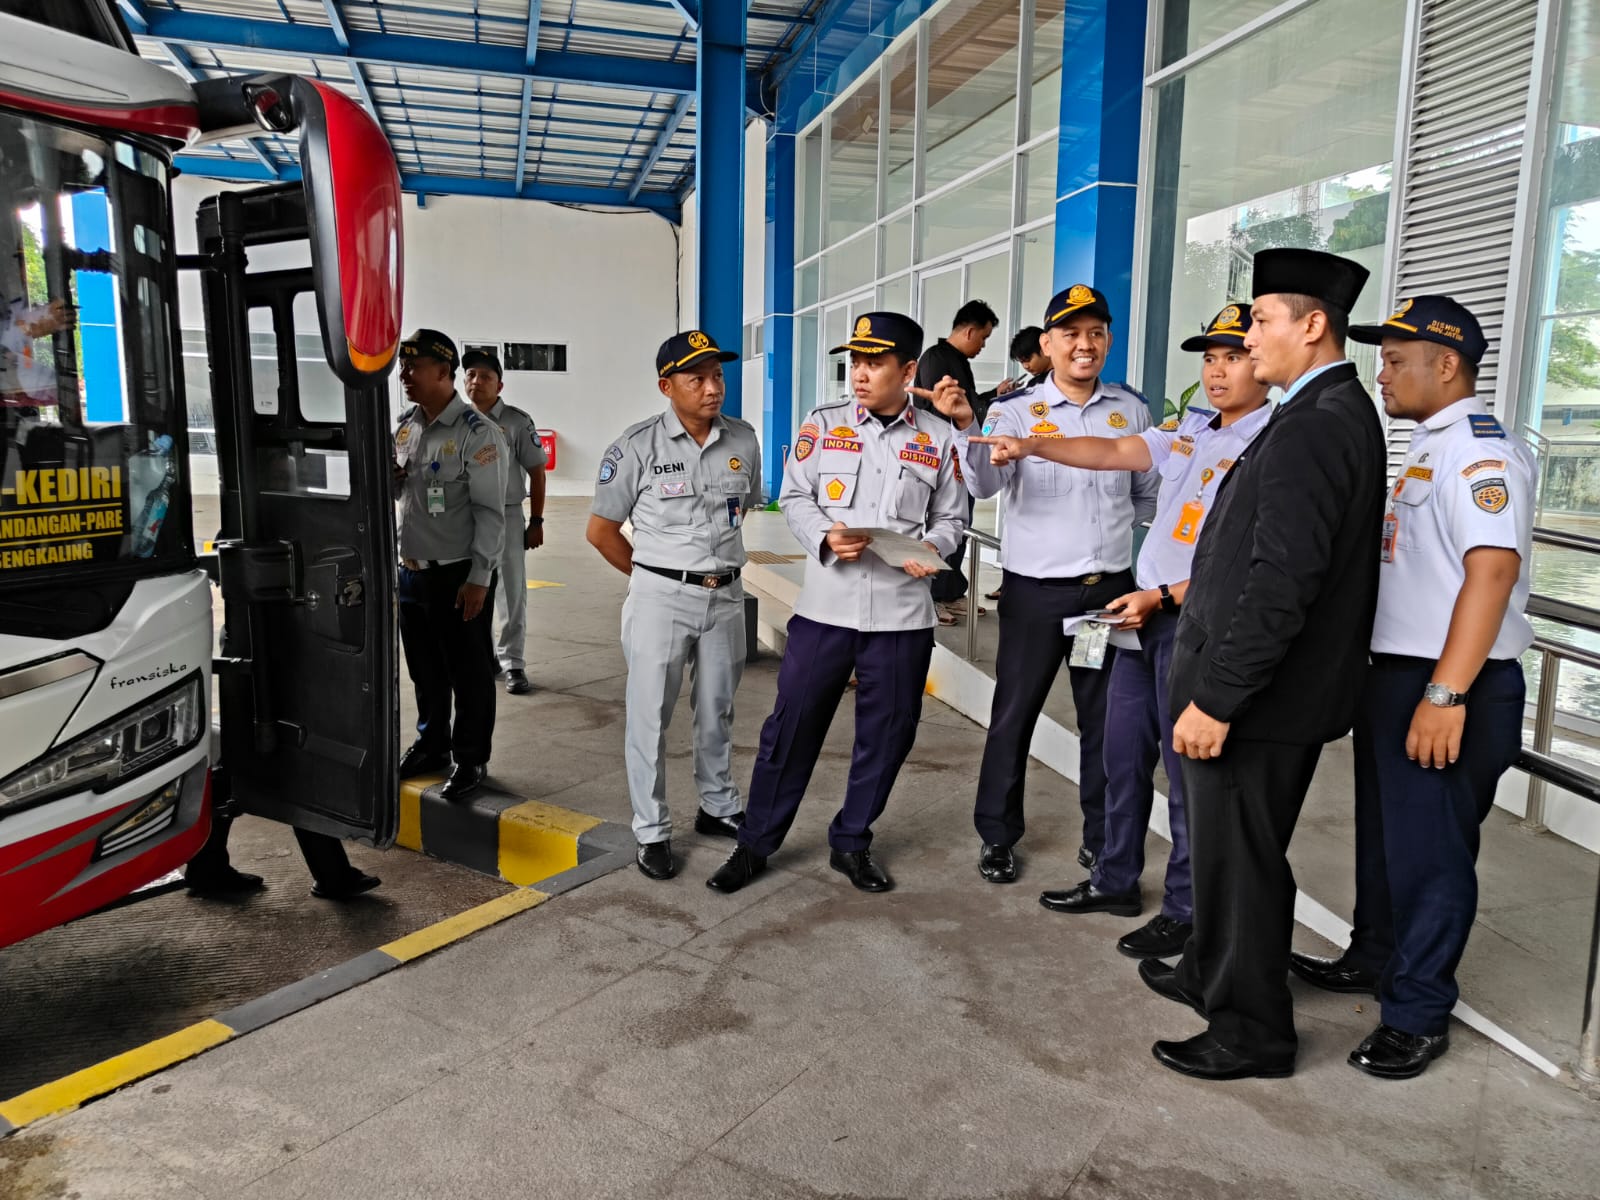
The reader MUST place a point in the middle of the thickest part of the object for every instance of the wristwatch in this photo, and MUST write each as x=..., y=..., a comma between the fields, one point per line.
x=1169, y=602
x=535, y=520
x=1440, y=696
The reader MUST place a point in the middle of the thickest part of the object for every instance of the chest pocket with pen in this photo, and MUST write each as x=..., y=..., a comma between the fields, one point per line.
x=1411, y=493
x=838, y=473
x=676, y=499
x=909, y=494
x=733, y=489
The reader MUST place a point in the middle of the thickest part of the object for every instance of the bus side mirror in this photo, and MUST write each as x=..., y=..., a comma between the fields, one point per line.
x=353, y=203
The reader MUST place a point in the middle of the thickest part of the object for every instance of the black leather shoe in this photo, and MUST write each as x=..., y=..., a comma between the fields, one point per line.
x=1087, y=858
x=1086, y=898
x=1334, y=974
x=465, y=778
x=1391, y=1053
x=420, y=761
x=1204, y=1057
x=517, y=683
x=742, y=867
x=230, y=882
x=351, y=885
x=655, y=860
x=863, y=873
x=711, y=826
x=997, y=864
x=1160, y=937
x=1163, y=981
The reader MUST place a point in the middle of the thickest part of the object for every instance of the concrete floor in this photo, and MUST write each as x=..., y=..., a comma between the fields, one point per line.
x=799, y=1039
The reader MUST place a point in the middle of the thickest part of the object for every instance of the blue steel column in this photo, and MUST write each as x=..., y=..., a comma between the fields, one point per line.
x=1097, y=169
x=778, y=403
x=719, y=180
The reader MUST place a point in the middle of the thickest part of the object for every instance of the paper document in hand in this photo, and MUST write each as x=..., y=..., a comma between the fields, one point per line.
x=896, y=548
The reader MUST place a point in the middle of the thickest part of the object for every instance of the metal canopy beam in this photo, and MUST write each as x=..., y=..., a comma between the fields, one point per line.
x=663, y=140
x=531, y=47
x=689, y=10
x=409, y=51
x=719, y=169
x=522, y=132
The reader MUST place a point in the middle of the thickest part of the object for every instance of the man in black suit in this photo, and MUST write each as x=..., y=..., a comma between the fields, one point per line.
x=1269, y=658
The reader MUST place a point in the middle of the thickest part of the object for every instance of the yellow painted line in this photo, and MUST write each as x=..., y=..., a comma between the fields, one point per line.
x=542, y=583
x=539, y=840
x=68, y=1092
x=451, y=929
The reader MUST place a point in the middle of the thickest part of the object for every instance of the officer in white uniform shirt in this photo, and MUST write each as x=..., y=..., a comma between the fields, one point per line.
x=524, y=477
x=1193, y=455
x=686, y=478
x=1066, y=548
x=870, y=463
x=1441, y=714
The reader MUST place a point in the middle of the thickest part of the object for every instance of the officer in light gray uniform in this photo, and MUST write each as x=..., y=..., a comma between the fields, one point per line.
x=484, y=385
x=685, y=478
x=450, y=481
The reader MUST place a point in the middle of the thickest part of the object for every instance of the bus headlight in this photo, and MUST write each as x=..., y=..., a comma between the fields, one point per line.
x=130, y=743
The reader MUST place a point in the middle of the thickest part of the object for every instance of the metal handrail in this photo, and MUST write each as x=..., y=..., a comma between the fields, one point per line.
x=1563, y=540
x=976, y=538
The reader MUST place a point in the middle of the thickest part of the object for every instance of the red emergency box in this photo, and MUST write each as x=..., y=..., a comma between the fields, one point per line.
x=547, y=439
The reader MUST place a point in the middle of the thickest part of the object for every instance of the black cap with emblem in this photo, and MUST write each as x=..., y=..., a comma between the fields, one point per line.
x=430, y=343
x=481, y=358
x=1227, y=328
x=1078, y=300
x=1315, y=273
x=881, y=332
x=1430, y=319
x=690, y=348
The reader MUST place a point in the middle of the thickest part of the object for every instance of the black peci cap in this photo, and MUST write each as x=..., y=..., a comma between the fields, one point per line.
x=1316, y=273
x=481, y=358
x=880, y=332
x=1430, y=319
x=1078, y=299
x=430, y=343
x=1227, y=328
x=683, y=350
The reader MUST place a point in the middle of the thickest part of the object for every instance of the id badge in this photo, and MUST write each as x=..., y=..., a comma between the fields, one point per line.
x=1391, y=528
x=1188, y=526
x=1089, y=645
x=734, y=512
x=436, y=500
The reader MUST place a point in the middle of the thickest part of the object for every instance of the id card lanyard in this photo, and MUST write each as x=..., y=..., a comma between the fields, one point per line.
x=1189, y=517
x=435, y=491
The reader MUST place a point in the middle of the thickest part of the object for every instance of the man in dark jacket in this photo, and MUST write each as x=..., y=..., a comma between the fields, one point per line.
x=1269, y=658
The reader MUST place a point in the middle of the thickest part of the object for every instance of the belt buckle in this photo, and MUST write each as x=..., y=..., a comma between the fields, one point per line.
x=1091, y=580
x=710, y=582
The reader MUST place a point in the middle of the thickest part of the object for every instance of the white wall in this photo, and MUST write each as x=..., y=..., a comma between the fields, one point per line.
x=487, y=270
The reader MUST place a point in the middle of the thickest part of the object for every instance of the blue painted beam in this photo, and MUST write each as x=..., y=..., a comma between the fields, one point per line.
x=778, y=398
x=531, y=45
x=522, y=129
x=663, y=139
x=407, y=50
x=336, y=23
x=719, y=168
x=239, y=171
x=689, y=10
x=133, y=15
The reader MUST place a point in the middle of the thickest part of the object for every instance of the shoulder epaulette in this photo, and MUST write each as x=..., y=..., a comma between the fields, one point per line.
x=1131, y=390
x=1485, y=426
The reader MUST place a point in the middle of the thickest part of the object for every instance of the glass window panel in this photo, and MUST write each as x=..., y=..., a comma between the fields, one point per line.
x=941, y=296
x=853, y=162
x=807, y=284
x=896, y=242
x=808, y=194
x=1039, y=182
x=1246, y=160
x=1049, y=37
x=1037, y=265
x=805, y=360
x=835, y=328
x=972, y=86
x=849, y=267
x=900, y=139
x=321, y=393
x=989, y=280
x=968, y=214
x=1566, y=411
x=895, y=295
x=1187, y=25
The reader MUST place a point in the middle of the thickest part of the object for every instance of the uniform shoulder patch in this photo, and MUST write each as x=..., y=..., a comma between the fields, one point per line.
x=490, y=453
x=1485, y=426
x=1483, y=464
x=1170, y=424
x=1490, y=494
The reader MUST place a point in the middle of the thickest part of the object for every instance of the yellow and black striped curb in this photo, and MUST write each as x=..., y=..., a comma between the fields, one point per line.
x=592, y=852
x=519, y=841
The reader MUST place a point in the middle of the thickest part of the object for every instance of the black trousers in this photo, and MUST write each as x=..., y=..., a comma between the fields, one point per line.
x=449, y=658
x=1242, y=811
x=1032, y=649
x=952, y=584
x=323, y=854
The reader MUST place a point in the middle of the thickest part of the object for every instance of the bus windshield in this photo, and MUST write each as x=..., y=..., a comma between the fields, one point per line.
x=91, y=419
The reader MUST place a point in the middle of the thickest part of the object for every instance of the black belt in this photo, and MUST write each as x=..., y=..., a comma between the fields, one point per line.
x=428, y=564
x=709, y=582
x=1069, y=580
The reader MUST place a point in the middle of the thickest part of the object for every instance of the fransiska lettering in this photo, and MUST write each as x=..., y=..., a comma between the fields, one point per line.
x=44, y=556
x=165, y=672
x=105, y=520
x=668, y=468
x=65, y=485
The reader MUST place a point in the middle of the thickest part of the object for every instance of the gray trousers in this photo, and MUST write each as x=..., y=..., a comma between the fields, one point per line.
x=667, y=625
x=511, y=600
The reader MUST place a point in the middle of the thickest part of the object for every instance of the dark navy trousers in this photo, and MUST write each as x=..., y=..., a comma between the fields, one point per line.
x=891, y=670
x=1138, y=730
x=1031, y=651
x=449, y=658
x=1417, y=834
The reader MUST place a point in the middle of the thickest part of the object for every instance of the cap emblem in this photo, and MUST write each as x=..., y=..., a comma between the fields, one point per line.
x=698, y=341
x=1227, y=318
x=864, y=327
x=1080, y=294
